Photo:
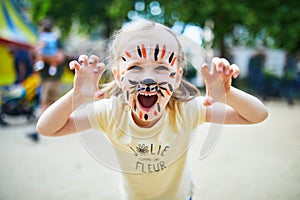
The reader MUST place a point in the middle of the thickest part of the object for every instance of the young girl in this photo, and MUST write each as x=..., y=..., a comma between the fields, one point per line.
x=149, y=112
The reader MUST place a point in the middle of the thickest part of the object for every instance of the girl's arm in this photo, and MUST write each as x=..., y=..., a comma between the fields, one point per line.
x=226, y=104
x=61, y=117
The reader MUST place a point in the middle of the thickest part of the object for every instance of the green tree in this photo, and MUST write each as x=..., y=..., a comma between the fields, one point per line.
x=225, y=16
x=275, y=19
x=90, y=14
x=281, y=19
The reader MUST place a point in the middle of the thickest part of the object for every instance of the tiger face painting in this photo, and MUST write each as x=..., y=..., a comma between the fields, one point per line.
x=148, y=73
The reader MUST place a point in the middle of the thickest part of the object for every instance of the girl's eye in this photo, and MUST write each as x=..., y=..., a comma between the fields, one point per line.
x=161, y=67
x=134, y=68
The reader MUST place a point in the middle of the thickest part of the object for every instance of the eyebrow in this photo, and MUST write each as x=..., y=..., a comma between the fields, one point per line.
x=135, y=63
x=162, y=63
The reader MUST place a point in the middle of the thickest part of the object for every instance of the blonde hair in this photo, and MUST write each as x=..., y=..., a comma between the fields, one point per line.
x=185, y=92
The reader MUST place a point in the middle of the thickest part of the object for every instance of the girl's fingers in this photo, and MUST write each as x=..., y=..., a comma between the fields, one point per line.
x=226, y=66
x=93, y=60
x=204, y=71
x=99, y=94
x=215, y=64
x=208, y=100
x=235, y=70
x=100, y=67
x=83, y=60
x=221, y=65
x=74, y=65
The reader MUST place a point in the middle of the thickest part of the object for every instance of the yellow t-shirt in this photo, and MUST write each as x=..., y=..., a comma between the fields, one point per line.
x=153, y=160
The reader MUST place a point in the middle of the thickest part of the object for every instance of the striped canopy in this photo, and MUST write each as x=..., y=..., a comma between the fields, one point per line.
x=15, y=29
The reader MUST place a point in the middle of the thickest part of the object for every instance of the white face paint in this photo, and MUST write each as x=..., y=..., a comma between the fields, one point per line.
x=148, y=75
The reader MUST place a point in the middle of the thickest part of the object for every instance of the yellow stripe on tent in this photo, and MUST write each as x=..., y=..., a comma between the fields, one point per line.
x=29, y=35
x=4, y=32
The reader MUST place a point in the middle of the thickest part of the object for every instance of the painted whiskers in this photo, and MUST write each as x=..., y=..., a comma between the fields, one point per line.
x=150, y=89
x=148, y=97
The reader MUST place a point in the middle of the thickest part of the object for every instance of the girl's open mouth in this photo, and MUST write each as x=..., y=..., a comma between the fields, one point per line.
x=147, y=99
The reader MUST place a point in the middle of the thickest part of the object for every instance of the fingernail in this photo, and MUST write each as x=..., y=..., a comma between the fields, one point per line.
x=99, y=94
x=91, y=61
x=226, y=71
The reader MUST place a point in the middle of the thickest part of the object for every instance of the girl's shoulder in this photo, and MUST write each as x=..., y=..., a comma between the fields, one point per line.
x=111, y=104
x=187, y=104
x=192, y=110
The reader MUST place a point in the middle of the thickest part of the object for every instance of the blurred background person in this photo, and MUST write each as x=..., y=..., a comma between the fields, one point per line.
x=47, y=50
x=50, y=68
x=289, y=77
x=49, y=91
x=22, y=64
x=256, y=73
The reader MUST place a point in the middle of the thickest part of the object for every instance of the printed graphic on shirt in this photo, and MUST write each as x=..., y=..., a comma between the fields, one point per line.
x=151, y=158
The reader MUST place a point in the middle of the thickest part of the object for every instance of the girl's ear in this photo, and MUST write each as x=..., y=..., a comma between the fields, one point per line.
x=116, y=76
x=178, y=78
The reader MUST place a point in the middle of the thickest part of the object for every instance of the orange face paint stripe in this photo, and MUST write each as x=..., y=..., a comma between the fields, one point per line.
x=168, y=92
x=141, y=115
x=144, y=51
x=132, y=104
x=173, y=61
x=163, y=52
x=128, y=54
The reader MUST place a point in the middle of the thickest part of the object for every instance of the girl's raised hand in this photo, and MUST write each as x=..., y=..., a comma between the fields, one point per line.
x=88, y=72
x=218, y=79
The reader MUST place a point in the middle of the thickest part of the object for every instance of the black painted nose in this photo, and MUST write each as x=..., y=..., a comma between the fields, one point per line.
x=148, y=82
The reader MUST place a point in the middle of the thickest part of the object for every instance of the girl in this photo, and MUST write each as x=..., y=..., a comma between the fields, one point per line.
x=149, y=112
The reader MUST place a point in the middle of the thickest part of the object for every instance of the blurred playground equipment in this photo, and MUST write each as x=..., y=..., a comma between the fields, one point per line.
x=16, y=32
x=20, y=99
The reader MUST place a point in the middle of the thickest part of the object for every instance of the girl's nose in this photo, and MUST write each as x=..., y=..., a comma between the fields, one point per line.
x=148, y=82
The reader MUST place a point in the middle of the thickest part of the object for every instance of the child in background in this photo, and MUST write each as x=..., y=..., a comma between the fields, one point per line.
x=149, y=105
x=47, y=48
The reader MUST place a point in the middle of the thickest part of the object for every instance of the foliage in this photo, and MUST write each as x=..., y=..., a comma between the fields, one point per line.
x=91, y=15
x=274, y=22
x=284, y=24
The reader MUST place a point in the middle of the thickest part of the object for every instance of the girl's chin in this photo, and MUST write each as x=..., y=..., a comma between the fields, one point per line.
x=145, y=124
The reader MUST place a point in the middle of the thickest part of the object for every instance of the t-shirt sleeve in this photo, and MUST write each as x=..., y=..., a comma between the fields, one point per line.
x=100, y=114
x=194, y=112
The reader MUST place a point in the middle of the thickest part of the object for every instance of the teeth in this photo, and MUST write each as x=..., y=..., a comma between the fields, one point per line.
x=148, y=94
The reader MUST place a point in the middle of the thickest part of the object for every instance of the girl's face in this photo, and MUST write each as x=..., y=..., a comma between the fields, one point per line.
x=148, y=73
